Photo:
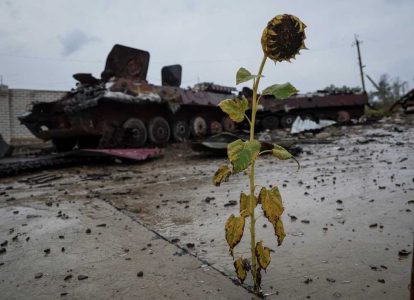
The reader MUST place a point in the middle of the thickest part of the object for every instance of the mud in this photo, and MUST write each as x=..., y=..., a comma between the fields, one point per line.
x=348, y=211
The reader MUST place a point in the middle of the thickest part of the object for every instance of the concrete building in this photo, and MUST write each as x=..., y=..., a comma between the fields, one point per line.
x=14, y=102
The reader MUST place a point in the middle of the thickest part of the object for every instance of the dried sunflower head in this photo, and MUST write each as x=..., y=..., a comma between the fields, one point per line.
x=283, y=37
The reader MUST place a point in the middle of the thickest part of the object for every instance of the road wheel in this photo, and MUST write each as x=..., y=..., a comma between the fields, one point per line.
x=215, y=127
x=181, y=131
x=287, y=121
x=198, y=126
x=159, y=131
x=308, y=117
x=343, y=116
x=135, y=134
x=228, y=124
x=270, y=122
x=62, y=145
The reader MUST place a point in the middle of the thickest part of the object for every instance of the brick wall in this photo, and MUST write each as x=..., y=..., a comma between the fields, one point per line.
x=14, y=102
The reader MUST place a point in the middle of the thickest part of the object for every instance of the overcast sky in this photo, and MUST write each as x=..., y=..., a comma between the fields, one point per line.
x=44, y=42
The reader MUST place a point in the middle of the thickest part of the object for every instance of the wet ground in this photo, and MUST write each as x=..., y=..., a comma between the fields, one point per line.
x=348, y=211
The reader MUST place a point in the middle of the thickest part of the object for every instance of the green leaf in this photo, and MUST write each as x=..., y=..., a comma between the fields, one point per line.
x=282, y=154
x=235, y=108
x=241, y=154
x=280, y=91
x=271, y=204
x=280, y=232
x=263, y=255
x=245, y=204
x=240, y=269
x=244, y=75
x=222, y=175
x=234, y=231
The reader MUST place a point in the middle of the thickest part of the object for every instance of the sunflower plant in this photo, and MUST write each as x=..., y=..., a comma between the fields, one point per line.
x=282, y=39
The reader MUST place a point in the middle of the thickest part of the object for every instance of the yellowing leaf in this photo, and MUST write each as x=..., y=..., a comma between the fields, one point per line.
x=245, y=204
x=242, y=153
x=244, y=75
x=282, y=154
x=271, y=204
x=234, y=231
x=235, y=108
x=240, y=269
x=280, y=91
x=280, y=232
x=263, y=255
x=222, y=175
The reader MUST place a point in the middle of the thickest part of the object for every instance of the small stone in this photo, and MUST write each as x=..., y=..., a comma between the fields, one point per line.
x=38, y=275
x=140, y=274
x=88, y=231
x=101, y=225
x=381, y=280
x=404, y=252
x=47, y=250
x=67, y=277
x=82, y=277
x=230, y=203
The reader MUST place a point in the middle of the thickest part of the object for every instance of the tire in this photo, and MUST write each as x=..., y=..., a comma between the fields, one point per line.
x=135, y=134
x=181, y=131
x=228, y=124
x=198, y=126
x=270, y=122
x=159, y=132
x=287, y=121
x=62, y=145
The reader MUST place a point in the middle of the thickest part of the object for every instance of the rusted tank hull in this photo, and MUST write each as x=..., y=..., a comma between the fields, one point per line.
x=339, y=107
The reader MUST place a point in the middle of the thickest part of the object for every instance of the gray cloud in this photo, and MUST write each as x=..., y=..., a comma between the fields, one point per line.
x=76, y=40
x=211, y=39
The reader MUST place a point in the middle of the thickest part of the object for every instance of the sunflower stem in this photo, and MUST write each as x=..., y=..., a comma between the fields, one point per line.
x=251, y=175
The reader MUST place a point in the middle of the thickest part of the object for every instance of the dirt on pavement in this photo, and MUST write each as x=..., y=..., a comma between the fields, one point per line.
x=348, y=218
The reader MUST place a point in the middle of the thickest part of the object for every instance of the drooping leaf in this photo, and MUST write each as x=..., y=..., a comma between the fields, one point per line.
x=242, y=153
x=280, y=91
x=244, y=75
x=271, y=204
x=222, y=175
x=235, y=108
x=282, y=154
x=280, y=232
x=263, y=255
x=234, y=231
x=240, y=269
x=245, y=204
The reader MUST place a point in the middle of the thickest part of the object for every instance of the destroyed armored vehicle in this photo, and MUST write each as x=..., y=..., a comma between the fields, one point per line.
x=338, y=106
x=122, y=110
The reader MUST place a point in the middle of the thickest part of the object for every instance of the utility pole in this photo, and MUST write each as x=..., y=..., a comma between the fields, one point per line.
x=361, y=66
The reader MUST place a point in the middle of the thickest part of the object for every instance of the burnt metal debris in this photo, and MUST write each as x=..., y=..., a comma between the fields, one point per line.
x=406, y=102
x=122, y=110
